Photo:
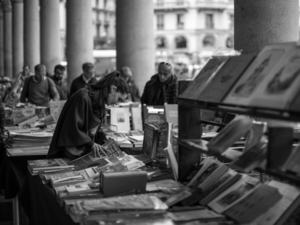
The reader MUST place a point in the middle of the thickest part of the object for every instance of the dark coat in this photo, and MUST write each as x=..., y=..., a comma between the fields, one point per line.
x=76, y=119
x=154, y=93
x=79, y=83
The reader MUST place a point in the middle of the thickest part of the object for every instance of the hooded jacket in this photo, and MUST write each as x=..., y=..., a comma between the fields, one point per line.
x=158, y=93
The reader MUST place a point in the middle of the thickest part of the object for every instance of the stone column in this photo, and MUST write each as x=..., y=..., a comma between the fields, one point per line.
x=50, y=34
x=31, y=33
x=135, y=39
x=1, y=43
x=17, y=35
x=79, y=36
x=7, y=40
x=258, y=23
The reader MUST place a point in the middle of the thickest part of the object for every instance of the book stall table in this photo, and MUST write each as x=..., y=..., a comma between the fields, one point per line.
x=13, y=173
x=39, y=203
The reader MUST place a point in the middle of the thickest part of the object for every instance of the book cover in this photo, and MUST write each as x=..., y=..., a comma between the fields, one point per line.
x=129, y=202
x=195, y=88
x=289, y=195
x=234, y=194
x=281, y=85
x=243, y=91
x=172, y=160
x=225, y=181
x=231, y=133
x=171, y=113
x=203, y=214
x=42, y=164
x=253, y=205
x=204, y=173
x=164, y=138
x=88, y=160
x=136, y=114
x=201, y=168
x=150, y=140
x=295, y=105
x=153, y=114
x=120, y=118
x=213, y=177
x=251, y=159
x=226, y=77
x=292, y=163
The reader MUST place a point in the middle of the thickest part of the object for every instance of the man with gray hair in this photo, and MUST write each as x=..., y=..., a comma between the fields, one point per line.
x=39, y=89
x=87, y=77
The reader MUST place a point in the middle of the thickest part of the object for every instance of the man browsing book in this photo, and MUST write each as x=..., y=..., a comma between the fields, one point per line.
x=162, y=87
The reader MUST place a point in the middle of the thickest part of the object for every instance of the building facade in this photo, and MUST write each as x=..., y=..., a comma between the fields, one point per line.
x=188, y=32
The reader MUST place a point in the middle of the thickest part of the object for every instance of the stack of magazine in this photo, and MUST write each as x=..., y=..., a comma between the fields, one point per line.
x=48, y=165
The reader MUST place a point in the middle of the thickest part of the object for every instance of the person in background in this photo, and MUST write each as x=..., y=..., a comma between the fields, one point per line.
x=59, y=71
x=87, y=77
x=161, y=88
x=83, y=113
x=39, y=89
x=134, y=94
x=21, y=78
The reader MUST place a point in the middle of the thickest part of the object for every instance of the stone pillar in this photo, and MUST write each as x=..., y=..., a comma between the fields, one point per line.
x=7, y=40
x=1, y=43
x=31, y=33
x=17, y=35
x=135, y=39
x=79, y=36
x=50, y=34
x=258, y=23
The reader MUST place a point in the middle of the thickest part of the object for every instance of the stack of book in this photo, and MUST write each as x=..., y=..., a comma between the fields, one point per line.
x=48, y=165
x=36, y=143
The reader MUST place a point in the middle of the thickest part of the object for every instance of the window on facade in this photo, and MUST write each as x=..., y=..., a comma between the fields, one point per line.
x=180, y=42
x=160, y=2
x=104, y=3
x=180, y=22
x=209, y=21
x=160, y=22
x=231, y=21
x=97, y=3
x=229, y=42
x=161, y=42
x=179, y=2
x=106, y=29
x=209, y=41
x=98, y=30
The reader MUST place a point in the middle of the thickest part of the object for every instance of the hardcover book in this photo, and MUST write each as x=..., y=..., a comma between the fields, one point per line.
x=225, y=182
x=207, y=73
x=243, y=91
x=231, y=133
x=281, y=85
x=42, y=164
x=253, y=205
x=226, y=77
x=289, y=195
x=153, y=115
x=234, y=194
x=251, y=159
x=150, y=140
x=164, y=138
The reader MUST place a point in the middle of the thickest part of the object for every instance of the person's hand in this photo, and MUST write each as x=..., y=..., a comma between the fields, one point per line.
x=97, y=150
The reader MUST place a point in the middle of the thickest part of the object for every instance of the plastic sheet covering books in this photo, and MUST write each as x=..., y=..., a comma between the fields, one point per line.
x=203, y=214
x=129, y=202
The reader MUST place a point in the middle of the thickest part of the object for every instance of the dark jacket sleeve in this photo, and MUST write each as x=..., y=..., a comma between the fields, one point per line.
x=144, y=98
x=72, y=88
x=24, y=92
